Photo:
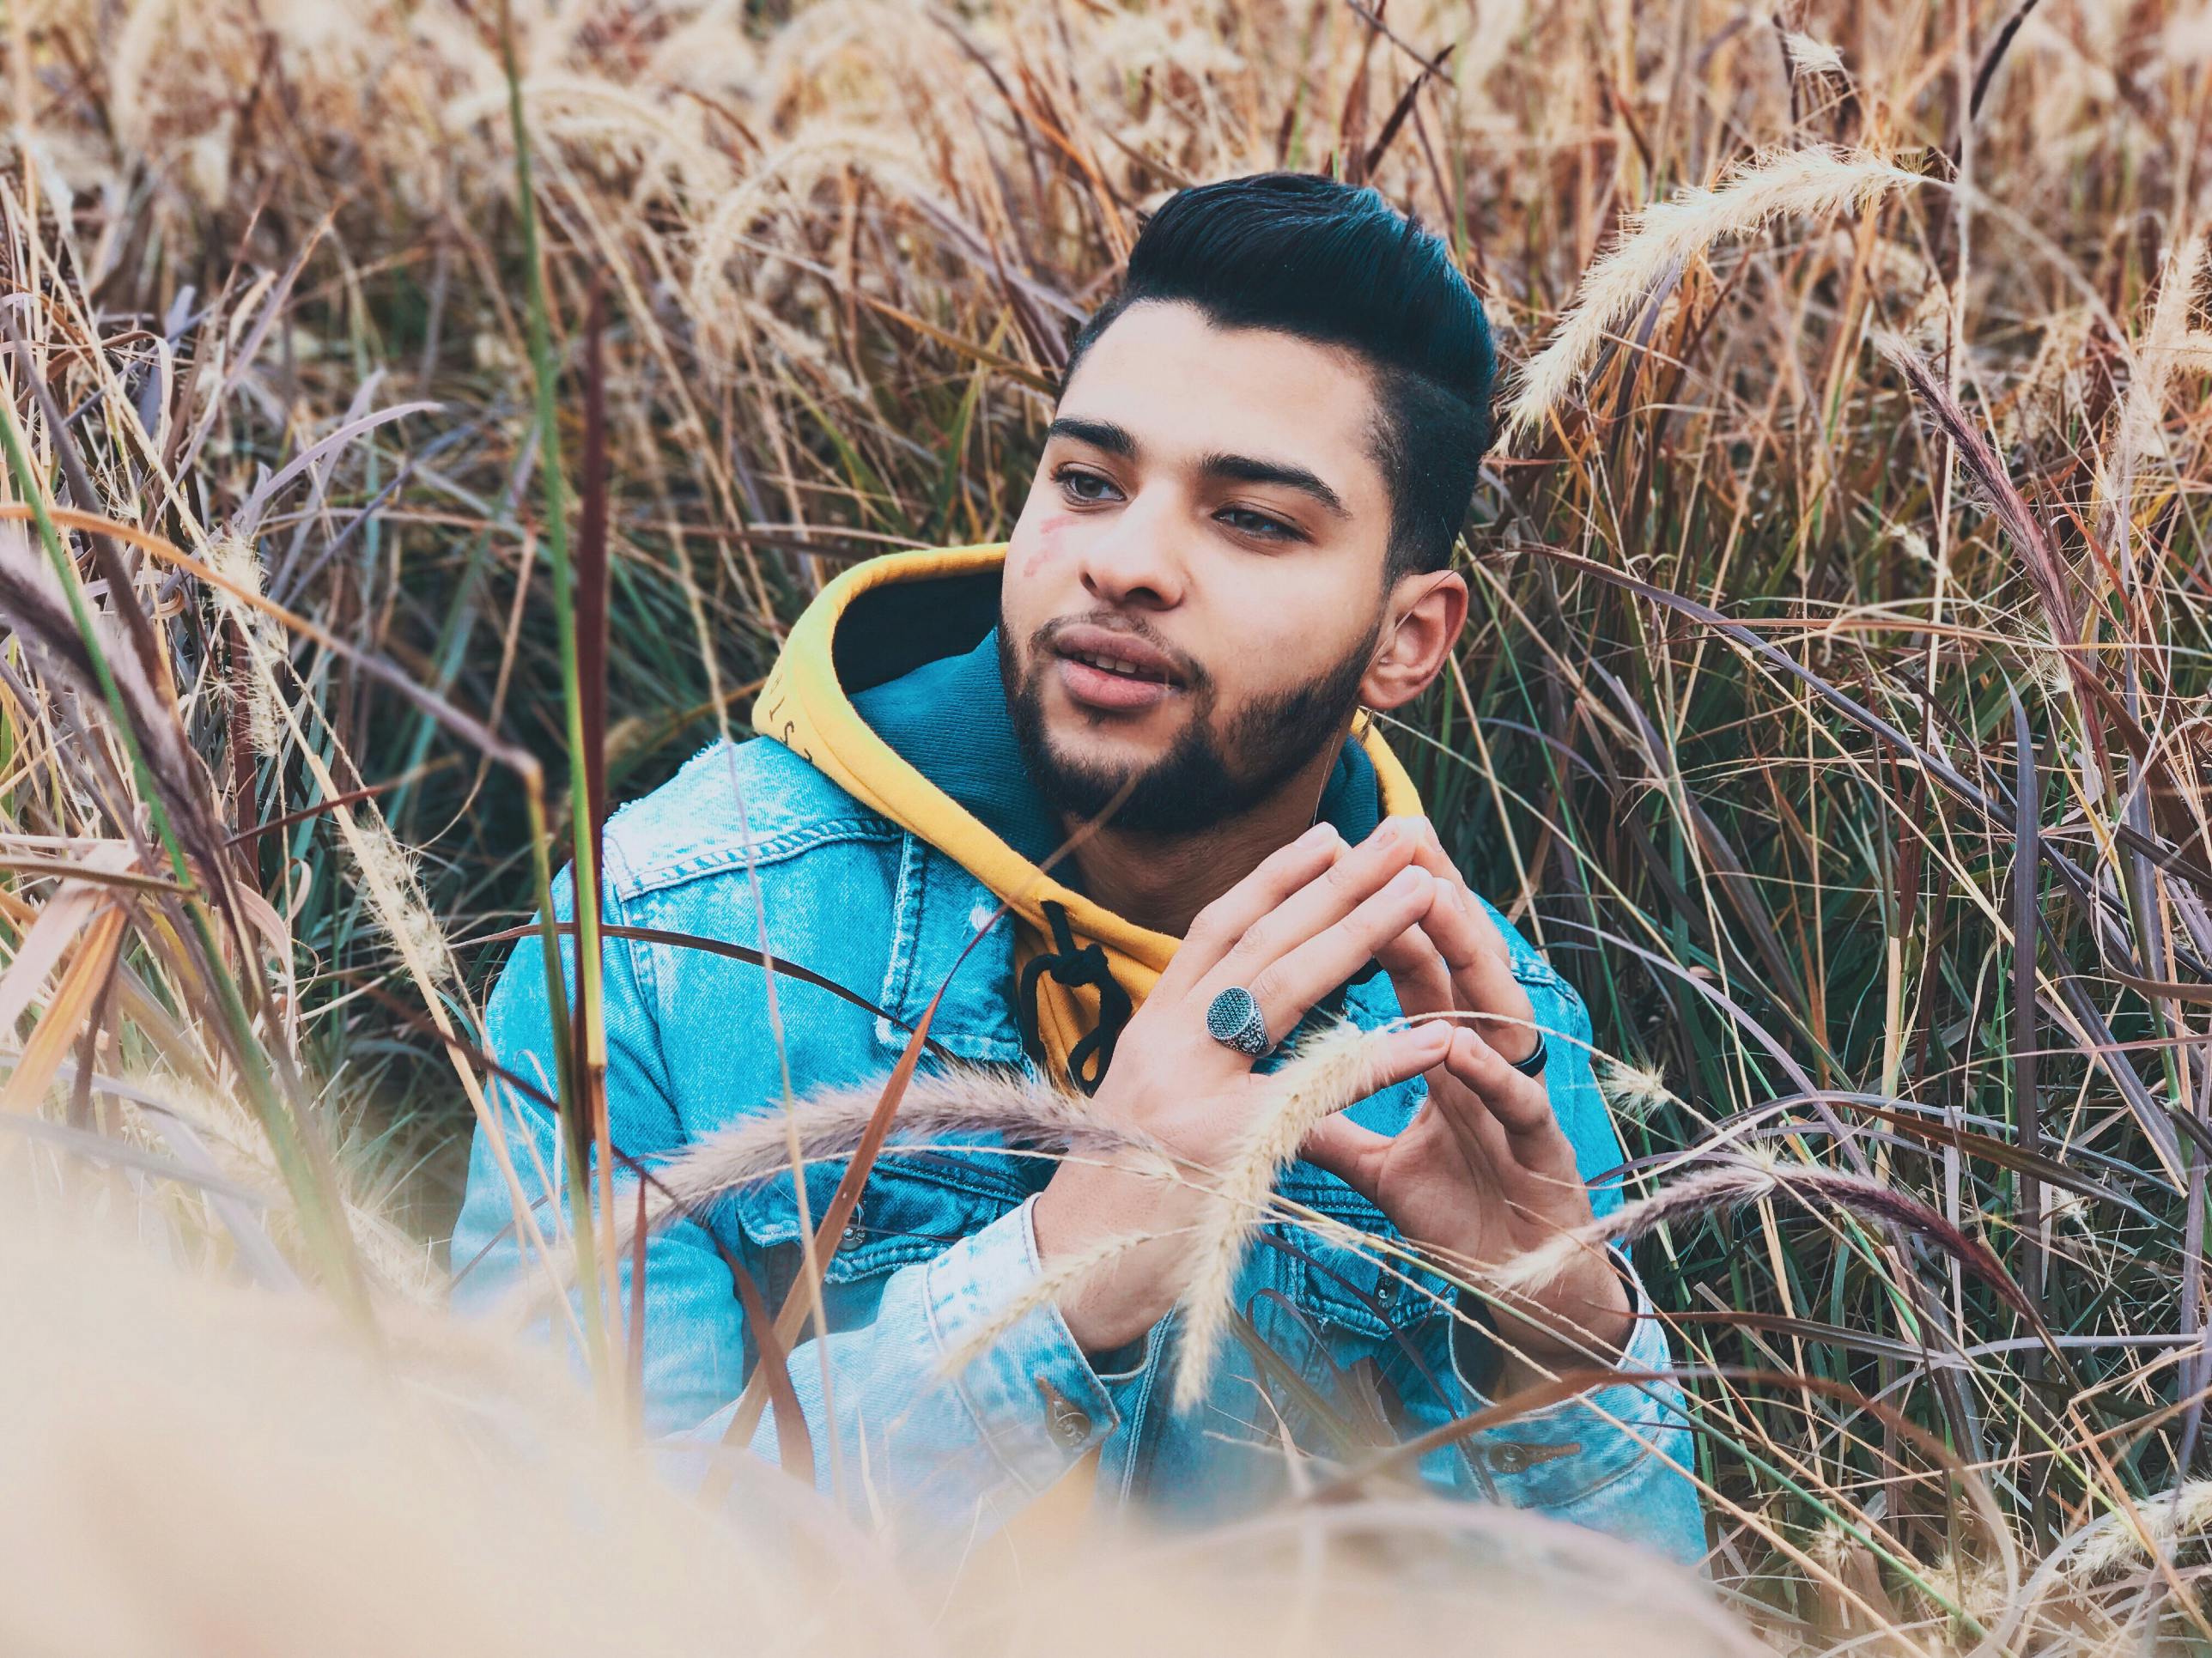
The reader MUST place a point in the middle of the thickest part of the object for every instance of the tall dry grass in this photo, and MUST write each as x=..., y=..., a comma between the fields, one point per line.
x=1834, y=715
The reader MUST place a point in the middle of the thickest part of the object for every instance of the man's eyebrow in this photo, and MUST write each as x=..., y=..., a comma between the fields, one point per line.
x=1098, y=434
x=1250, y=469
x=1240, y=468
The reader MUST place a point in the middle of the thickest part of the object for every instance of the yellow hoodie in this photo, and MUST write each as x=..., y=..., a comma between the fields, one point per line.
x=805, y=706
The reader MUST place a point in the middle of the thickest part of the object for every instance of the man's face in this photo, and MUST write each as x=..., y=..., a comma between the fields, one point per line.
x=1195, y=586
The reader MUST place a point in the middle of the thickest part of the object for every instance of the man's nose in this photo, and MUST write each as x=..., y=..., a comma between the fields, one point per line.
x=1138, y=561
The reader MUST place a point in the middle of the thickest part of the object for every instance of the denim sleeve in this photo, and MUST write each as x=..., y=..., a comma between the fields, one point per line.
x=693, y=1355
x=1614, y=1459
x=944, y=1454
x=1564, y=1020
x=936, y=1454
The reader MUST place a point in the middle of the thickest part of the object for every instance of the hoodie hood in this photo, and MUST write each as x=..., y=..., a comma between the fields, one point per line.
x=888, y=684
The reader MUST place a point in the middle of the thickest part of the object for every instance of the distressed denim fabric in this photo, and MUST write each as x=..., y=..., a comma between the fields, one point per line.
x=1339, y=1351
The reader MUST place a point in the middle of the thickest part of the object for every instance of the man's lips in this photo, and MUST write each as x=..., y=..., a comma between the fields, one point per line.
x=1107, y=692
x=1105, y=668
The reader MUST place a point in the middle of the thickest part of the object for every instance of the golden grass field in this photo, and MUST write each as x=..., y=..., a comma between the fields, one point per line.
x=421, y=423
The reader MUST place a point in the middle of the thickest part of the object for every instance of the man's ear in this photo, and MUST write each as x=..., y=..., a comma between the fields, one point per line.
x=1422, y=617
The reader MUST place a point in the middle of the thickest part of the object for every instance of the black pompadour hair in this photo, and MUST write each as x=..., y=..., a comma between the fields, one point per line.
x=1336, y=264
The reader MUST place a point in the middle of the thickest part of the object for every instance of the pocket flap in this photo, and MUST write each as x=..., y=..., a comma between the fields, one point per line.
x=916, y=1204
x=1362, y=1287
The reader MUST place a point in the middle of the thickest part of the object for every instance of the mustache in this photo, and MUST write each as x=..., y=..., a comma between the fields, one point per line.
x=1187, y=668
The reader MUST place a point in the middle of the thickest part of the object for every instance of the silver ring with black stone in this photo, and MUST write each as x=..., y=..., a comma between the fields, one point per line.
x=1233, y=1018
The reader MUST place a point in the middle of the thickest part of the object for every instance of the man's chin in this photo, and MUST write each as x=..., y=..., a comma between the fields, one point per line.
x=1087, y=767
x=1150, y=770
x=1177, y=788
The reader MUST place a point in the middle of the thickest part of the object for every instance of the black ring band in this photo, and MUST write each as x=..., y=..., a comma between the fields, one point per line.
x=1532, y=1065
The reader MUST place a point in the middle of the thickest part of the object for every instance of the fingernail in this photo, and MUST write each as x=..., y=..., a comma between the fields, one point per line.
x=1386, y=834
x=1319, y=836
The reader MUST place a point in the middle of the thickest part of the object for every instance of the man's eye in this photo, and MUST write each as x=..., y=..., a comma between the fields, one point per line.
x=1245, y=521
x=1079, y=485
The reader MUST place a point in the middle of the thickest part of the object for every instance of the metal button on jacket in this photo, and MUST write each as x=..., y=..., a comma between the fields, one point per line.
x=1513, y=1456
x=1067, y=1422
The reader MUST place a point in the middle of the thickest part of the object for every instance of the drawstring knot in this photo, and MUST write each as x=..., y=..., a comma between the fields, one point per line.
x=1073, y=966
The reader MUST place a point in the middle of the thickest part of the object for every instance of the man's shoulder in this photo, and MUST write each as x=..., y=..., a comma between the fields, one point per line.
x=734, y=806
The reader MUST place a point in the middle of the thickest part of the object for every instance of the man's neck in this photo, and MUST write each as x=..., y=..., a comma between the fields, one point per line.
x=1162, y=881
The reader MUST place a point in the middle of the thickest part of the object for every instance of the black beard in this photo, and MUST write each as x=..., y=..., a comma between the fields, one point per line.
x=1202, y=780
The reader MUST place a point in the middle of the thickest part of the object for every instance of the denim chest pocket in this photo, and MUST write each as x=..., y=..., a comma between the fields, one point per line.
x=914, y=1207
x=1365, y=1288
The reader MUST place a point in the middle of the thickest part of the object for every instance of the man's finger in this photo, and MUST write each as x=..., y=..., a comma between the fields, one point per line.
x=1482, y=936
x=1340, y=1145
x=1479, y=961
x=1288, y=987
x=1221, y=924
x=1418, y=972
x=1348, y=1151
x=1521, y=1105
x=1509, y=1128
x=1352, y=877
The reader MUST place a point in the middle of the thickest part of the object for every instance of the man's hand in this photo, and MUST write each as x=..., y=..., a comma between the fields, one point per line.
x=1300, y=924
x=1483, y=1172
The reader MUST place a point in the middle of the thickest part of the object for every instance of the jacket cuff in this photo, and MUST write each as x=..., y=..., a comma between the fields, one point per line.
x=1036, y=1401
x=1564, y=1451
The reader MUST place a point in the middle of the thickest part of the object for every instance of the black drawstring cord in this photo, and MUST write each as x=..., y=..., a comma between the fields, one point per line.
x=1072, y=966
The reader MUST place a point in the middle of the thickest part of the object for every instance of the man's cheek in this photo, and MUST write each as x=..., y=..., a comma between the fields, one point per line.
x=1049, y=547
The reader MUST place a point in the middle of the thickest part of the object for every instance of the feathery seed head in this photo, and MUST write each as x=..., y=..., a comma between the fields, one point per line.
x=1810, y=56
x=1633, y=1091
x=1667, y=235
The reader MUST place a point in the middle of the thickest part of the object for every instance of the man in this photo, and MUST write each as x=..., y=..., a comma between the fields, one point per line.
x=1238, y=537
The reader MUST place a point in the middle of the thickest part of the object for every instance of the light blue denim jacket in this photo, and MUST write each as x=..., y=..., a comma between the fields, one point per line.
x=1339, y=1351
